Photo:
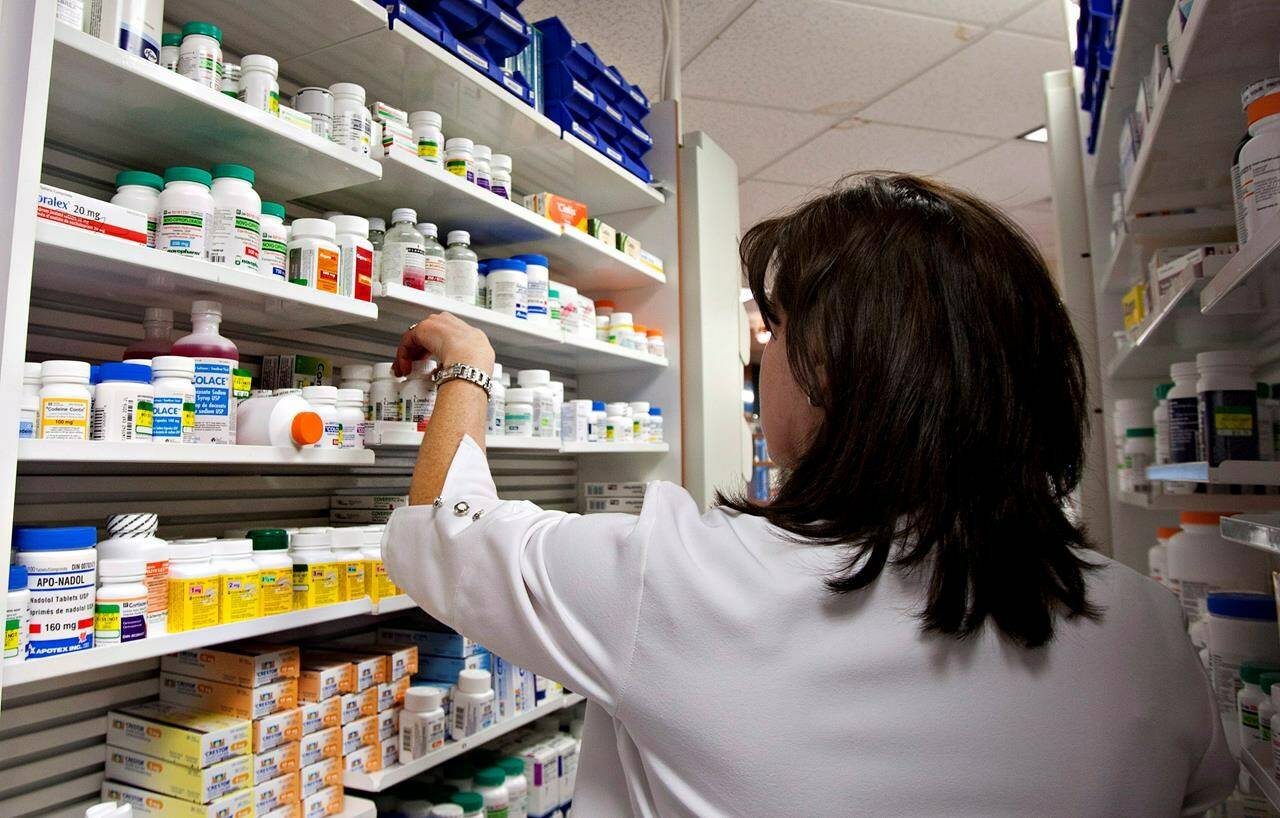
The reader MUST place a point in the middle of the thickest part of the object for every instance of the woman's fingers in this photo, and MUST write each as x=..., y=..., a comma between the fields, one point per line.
x=435, y=336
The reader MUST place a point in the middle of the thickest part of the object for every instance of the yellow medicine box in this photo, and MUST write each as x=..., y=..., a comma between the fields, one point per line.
x=238, y=804
x=197, y=784
x=245, y=664
x=167, y=731
x=232, y=700
x=368, y=669
x=1134, y=306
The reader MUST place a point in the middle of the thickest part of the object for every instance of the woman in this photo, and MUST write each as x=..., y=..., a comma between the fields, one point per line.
x=913, y=626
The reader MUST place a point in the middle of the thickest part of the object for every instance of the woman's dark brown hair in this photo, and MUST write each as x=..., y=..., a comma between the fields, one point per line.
x=926, y=327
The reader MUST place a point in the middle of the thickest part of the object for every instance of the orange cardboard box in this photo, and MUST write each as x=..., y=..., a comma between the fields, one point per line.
x=247, y=664
x=328, y=801
x=327, y=743
x=558, y=209
x=327, y=772
x=280, y=728
x=324, y=678
x=277, y=792
x=322, y=714
x=363, y=759
x=359, y=733
x=275, y=763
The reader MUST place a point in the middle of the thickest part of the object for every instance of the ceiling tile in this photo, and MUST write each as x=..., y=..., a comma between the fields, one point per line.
x=752, y=135
x=993, y=88
x=1012, y=175
x=860, y=145
x=760, y=199
x=986, y=12
x=1044, y=19
x=823, y=56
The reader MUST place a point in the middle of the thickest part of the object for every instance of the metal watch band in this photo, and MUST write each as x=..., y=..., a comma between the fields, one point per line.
x=463, y=372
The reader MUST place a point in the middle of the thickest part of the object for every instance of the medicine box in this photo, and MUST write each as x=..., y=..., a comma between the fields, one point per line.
x=358, y=705
x=325, y=802
x=146, y=802
x=397, y=140
x=629, y=245
x=650, y=260
x=64, y=207
x=284, y=759
x=620, y=505
x=362, y=732
x=295, y=371
x=402, y=659
x=246, y=664
x=198, y=784
x=614, y=489
x=366, y=759
x=437, y=643
x=360, y=516
x=195, y=738
x=319, y=715
x=446, y=668
x=603, y=232
x=390, y=750
x=367, y=670
x=385, y=113
x=324, y=678
x=296, y=118
x=326, y=743
x=558, y=209
x=1133, y=305
x=391, y=694
x=388, y=723
x=232, y=700
x=277, y=729
x=368, y=501
x=276, y=793
x=327, y=772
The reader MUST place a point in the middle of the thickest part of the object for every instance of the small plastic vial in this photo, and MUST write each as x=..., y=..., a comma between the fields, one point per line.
x=418, y=394
x=435, y=260
x=351, y=418
x=518, y=418
x=500, y=175
x=313, y=254
x=275, y=242
x=16, y=616
x=655, y=425
x=239, y=587
x=461, y=271
x=140, y=190
x=170, y=46
x=65, y=400
x=483, y=155
x=275, y=570
x=324, y=400
x=403, y=258
x=459, y=158
x=657, y=346
x=491, y=784
x=120, y=612
x=384, y=393
x=200, y=55
x=422, y=724
x=428, y=136
x=186, y=210
x=193, y=586
x=29, y=411
x=352, y=122
x=346, y=543
x=472, y=703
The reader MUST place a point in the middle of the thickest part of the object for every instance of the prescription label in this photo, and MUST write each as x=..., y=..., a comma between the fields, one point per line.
x=315, y=585
x=276, y=591
x=60, y=610
x=238, y=597
x=64, y=419
x=351, y=580
x=182, y=232
x=193, y=603
x=214, y=418
x=120, y=620
x=173, y=419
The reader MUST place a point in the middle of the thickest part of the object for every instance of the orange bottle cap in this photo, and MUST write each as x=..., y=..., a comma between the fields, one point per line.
x=1203, y=517
x=307, y=428
x=1164, y=533
x=604, y=302
x=655, y=332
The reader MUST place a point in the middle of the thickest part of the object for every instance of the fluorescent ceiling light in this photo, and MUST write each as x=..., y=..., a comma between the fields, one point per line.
x=746, y=295
x=1040, y=134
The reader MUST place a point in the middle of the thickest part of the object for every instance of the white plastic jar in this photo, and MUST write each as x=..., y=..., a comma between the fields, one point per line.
x=122, y=403
x=655, y=425
x=275, y=242
x=657, y=346
x=315, y=569
x=259, y=83
x=324, y=400
x=133, y=536
x=355, y=257
x=422, y=724
x=586, y=310
x=508, y=286
x=618, y=429
x=283, y=419
x=620, y=329
x=1228, y=405
x=1184, y=421
x=434, y=260
x=239, y=585
x=352, y=122
x=1160, y=423
x=1242, y=626
x=483, y=155
x=275, y=570
x=461, y=268
x=29, y=410
x=518, y=417
x=139, y=190
x=65, y=400
x=459, y=158
x=472, y=703
x=351, y=417
x=193, y=586
x=235, y=233
x=1158, y=556
x=120, y=610
x=186, y=209
x=403, y=251
x=1260, y=157
x=170, y=49
x=1139, y=452
x=545, y=410
x=537, y=269
x=230, y=79
x=568, y=308
x=418, y=394
x=16, y=616
x=346, y=543
x=496, y=421
x=426, y=127
x=316, y=103
x=200, y=55
x=1250, y=696
x=1201, y=561
x=639, y=421
x=384, y=393
x=313, y=254
x=517, y=786
x=491, y=784
x=61, y=568
x=500, y=175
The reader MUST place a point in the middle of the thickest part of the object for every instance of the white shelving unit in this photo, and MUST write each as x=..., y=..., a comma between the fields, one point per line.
x=88, y=110
x=1201, y=502
x=394, y=434
x=1256, y=760
x=390, y=776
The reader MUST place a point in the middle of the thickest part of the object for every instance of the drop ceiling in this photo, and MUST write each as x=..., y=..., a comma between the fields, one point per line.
x=800, y=92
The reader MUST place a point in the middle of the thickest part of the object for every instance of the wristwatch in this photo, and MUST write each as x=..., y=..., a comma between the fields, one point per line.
x=463, y=372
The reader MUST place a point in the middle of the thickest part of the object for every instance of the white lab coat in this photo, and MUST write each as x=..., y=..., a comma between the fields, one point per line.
x=723, y=679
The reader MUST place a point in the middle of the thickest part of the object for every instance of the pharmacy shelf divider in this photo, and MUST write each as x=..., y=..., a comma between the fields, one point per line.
x=1256, y=759
x=615, y=448
x=52, y=667
x=117, y=107
x=1258, y=530
x=1123, y=267
x=356, y=807
x=390, y=776
x=589, y=264
x=1228, y=472
x=141, y=452
x=130, y=274
x=400, y=434
x=1257, y=260
x=1201, y=502
x=391, y=604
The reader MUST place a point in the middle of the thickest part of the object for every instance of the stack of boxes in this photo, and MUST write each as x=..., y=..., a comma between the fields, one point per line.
x=257, y=683
x=627, y=498
x=364, y=509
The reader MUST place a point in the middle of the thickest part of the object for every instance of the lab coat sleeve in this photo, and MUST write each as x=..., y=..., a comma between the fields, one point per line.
x=555, y=593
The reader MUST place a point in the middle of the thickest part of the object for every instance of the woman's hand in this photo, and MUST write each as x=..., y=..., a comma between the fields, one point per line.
x=449, y=339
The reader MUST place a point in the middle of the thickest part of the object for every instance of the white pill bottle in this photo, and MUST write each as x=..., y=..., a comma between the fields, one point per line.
x=186, y=209
x=133, y=536
x=422, y=724
x=472, y=703
x=17, y=616
x=173, y=402
x=235, y=233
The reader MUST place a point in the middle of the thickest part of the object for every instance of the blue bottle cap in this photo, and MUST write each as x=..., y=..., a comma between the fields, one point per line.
x=655, y=411
x=132, y=373
x=507, y=264
x=17, y=577
x=597, y=406
x=93, y=374
x=55, y=539
x=1242, y=605
x=532, y=258
x=483, y=266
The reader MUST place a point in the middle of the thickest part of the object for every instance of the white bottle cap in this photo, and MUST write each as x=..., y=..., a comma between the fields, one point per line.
x=373, y=534
x=621, y=319
x=459, y=237
x=497, y=370
x=423, y=367
x=286, y=391
x=350, y=396
x=459, y=143
x=314, y=228
x=483, y=152
x=1233, y=357
x=122, y=569
x=179, y=365
x=383, y=371
x=519, y=396
x=262, y=61
x=619, y=409
x=1183, y=369
x=190, y=549
x=428, y=229
x=377, y=223
x=425, y=119
x=500, y=161
x=347, y=537
x=233, y=548
x=533, y=377
x=310, y=539
x=132, y=525
x=158, y=314
x=320, y=394
x=68, y=370
x=404, y=214
x=639, y=407
x=357, y=372
x=351, y=224
x=446, y=811
x=421, y=698
x=348, y=90
x=206, y=308
x=473, y=681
